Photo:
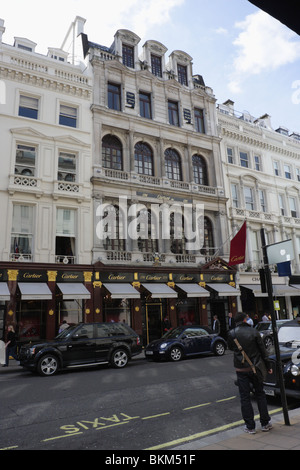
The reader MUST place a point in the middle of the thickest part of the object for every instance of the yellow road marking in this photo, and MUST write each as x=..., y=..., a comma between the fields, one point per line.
x=226, y=399
x=204, y=433
x=156, y=416
x=60, y=437
x=9, y=448
x=197, y=406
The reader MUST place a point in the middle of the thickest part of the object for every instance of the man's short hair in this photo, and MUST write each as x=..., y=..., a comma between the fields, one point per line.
x=240, y=317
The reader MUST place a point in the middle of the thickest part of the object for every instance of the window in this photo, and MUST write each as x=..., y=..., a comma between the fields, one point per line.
x=143, y=159
x=112, y=153
x=244, y=159
x=257, y=164
x=147, y=241
x=28, y=107
x=114, y=97
x=200, y=170
x=173, y=165
x=234, y=195
x=276, y=168
x=66, y=167
x=255, y=248
x=128, y=56
x=208, y=240
x=114, y=228
x=199, y=121
x=173, y=113
x=22, y=231
x=287, y=172
x=292, y=203
x=156, y=66
x=25, y=160
x=249, y=202
x=65, y=236
x=68, y=116
x=281, y=204
x=145, y=105
x=298, y=174
x=229, y=155
x=262, y=200
x=182, y=74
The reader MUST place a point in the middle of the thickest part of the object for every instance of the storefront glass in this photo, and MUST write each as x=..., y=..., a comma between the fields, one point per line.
x=31, y=320
x=117, y=310
x=71, y=311
x=187, y=311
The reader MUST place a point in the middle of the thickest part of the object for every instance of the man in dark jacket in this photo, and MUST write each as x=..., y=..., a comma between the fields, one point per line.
x=252, y=344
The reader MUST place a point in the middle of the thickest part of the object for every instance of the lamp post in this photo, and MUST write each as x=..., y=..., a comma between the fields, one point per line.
x=268, y=279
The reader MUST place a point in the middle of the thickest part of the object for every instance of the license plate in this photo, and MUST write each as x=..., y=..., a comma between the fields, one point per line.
x=270, y=392
x=149, y=353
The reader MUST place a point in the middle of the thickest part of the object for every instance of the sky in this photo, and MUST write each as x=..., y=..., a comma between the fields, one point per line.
x=242, y=53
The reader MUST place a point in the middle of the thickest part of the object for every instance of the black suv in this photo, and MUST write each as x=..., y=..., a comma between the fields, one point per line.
x=85, y=344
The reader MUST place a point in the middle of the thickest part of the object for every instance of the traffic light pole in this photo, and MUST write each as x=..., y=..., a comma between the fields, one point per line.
x=268, y=279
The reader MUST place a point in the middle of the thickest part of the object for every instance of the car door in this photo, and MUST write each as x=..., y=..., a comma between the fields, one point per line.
x=80, y=349
x=196, y=340
x=103, y=341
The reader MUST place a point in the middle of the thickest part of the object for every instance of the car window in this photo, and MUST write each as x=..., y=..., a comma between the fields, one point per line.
x=86, y=331
x=118, y=329
x=103, y=330
x=190, y=332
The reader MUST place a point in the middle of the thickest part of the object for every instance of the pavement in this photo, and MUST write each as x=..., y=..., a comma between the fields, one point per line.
x=232, y=436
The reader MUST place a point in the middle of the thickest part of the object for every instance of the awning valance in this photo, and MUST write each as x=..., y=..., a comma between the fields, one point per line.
x=282, y=290
x=120, y=290
x=224, y=289
x=158, y=291
x=193, y=290
x=73, y=290
x=4, y=291
x=35, y=291
x=256, y=289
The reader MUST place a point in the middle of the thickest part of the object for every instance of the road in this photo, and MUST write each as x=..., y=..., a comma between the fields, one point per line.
x=145, y=406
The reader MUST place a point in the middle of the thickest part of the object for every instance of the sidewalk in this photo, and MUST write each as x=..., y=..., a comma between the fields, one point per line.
x=281, y=437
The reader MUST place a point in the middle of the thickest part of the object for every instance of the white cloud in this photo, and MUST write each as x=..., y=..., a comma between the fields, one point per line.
x=263, y=44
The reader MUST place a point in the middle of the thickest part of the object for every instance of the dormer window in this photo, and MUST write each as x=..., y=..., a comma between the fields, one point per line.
x=128, y=56
x=156, y=66
x=25, y=44
x=182, y=74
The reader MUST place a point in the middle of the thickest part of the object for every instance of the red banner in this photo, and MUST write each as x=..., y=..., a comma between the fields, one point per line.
x=238, y=247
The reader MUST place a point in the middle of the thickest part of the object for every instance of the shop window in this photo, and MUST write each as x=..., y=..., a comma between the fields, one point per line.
x=187, y=311
x=116, y=310
x=31, y=316
x=71, y=311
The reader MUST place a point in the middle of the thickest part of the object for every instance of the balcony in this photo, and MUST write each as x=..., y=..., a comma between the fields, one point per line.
x=106, y=174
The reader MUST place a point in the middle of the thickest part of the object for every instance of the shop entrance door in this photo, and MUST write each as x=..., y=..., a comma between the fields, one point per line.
x=153, y=321
x=217, y=307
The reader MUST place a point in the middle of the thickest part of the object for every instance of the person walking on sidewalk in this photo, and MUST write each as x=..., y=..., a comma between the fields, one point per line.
x=11, y=345
x=252, y=344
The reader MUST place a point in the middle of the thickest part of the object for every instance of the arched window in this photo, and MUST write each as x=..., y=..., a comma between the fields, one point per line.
x=143, y=159
x=200, y=170
x=173, y=165
x=112, y=153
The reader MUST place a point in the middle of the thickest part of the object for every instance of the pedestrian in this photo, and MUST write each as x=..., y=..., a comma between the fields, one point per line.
x=63, y=326
x=265, y=318
x=166, y=325
x=216, y=325
x=253, y=348
x=249, y=320
x=231, y=321
x=10, y=345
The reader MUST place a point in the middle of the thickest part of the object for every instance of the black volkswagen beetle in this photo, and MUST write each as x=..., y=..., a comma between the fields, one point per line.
x=289, y=345
x=186, y=341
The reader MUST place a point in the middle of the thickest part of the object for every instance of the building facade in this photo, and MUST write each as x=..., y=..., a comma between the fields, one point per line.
x=262, y=168
x=45, y=188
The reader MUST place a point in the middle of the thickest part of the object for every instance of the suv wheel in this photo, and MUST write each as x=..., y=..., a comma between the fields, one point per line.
x=119, y=358
x=47, y=365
